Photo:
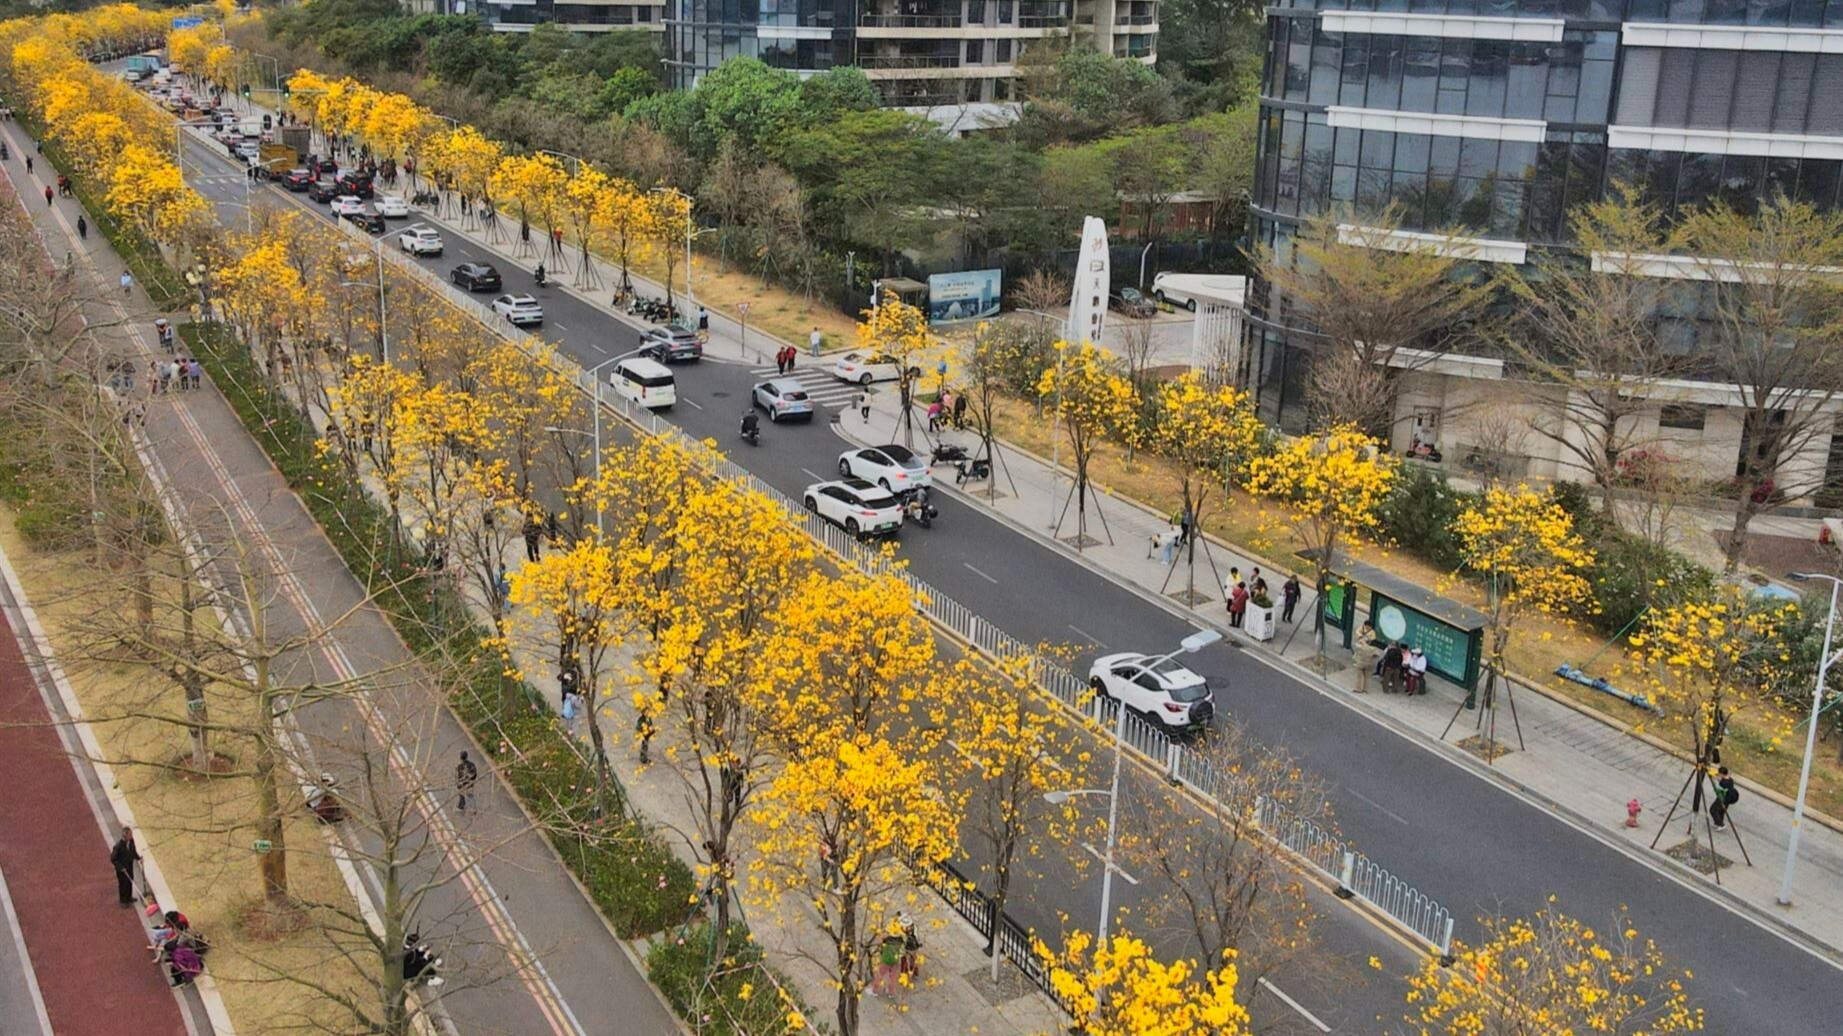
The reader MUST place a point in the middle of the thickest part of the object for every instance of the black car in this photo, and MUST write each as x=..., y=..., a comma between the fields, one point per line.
x=369, y=220
x=324, y=191
x=476, y=277
x=356, y=184
x=671, y=345
x=324, y=165
x=298, y=180
x=1131, y=302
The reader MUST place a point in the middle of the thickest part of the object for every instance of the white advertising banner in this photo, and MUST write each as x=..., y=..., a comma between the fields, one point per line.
x=1088, y=304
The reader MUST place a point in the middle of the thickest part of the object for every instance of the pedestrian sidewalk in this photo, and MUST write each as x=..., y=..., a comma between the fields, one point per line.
x=1580, y=764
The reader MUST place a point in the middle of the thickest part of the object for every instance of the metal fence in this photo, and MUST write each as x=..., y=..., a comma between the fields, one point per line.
x=1355, y=875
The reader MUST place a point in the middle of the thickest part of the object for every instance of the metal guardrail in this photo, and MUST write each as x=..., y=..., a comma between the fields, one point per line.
x=1355, y=874
x=1014, y=943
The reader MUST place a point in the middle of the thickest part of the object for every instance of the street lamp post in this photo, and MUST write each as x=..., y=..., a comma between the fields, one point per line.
x=1195, y=642
x=595, y=382
x=1784, y=898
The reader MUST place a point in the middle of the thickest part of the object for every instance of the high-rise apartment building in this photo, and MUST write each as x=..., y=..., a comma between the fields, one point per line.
x=1497, y=117
x=922, y=54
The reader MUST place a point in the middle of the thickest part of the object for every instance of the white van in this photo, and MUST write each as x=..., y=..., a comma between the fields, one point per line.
x=646, y=382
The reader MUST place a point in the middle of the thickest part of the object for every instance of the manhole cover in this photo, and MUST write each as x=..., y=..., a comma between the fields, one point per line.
x=719, y=395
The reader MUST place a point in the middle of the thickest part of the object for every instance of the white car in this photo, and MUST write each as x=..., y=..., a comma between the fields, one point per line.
x=1154, y=686
x=249, y=150
x=519, y=310
x=391, y=206
x=893, y=467
x=861, y=508
x=348, y=204
x=421, y=241
x=864, y=368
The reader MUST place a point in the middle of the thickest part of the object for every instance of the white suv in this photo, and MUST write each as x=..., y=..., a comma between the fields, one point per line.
x=421, y=241
x=861, y=508
x=1154, y=686
x=519, y=310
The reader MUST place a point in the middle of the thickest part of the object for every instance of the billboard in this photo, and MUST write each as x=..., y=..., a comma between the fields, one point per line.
x=1088, y=300
x=967, y=295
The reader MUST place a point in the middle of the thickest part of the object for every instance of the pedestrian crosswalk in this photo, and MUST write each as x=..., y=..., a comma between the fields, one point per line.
x=820, y=385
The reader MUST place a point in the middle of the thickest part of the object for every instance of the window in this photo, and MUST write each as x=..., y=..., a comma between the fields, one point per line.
x=975, y=52
x=1682, y=418
x=1003, y=52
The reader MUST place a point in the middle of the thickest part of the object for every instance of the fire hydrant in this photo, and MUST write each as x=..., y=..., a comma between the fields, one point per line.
x=1632, y=809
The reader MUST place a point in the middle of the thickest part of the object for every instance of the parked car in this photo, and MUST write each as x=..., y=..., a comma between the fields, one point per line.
x=476, y=277
x=323, y=191
x=519, y=310
x=421, y=241
x=864, y=368
x=347, y=204
x=785, y=399
x=1154, y=686
x=671, y=345
x=893, y=467
x=1131, y=302
x=391, y=206
x=859, y=507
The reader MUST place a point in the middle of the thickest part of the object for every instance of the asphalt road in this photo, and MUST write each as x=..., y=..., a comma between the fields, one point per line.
x=1460, y=839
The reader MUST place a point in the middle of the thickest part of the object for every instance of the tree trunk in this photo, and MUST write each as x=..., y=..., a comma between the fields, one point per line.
x=1001, y=891
x=1744, y=510
x=274, y=862
x=846, y=948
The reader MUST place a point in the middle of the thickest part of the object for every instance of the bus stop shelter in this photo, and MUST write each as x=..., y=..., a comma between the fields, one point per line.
x=1450, y=634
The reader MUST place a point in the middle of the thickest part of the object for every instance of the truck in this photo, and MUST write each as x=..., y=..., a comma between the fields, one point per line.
x=299, y=138
x=277, y=159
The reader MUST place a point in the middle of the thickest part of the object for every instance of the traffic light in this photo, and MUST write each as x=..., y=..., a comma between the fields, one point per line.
x=285, y=89
x=246, y=91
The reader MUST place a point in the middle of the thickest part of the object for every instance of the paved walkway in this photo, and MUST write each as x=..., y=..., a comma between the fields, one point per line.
x=1580, y=765
x=581, y=973
x=88, y=952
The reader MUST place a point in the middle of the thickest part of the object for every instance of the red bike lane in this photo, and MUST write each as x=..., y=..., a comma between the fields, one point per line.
x=90, y=953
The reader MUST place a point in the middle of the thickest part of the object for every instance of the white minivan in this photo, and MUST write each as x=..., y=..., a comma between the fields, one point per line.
x=646, y=382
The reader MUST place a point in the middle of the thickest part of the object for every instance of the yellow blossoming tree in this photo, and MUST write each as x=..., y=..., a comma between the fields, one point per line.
x=1092, y=398
x=1331, y=485
x=1121, y=989
x=900, y=332
x=1208, y=433
x=1524, y=545
x=1551, y=975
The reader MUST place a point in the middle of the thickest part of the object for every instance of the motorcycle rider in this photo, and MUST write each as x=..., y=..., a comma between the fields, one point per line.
x=540, y=275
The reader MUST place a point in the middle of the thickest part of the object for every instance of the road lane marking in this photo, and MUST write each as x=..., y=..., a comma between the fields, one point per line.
x=1290, y=1002
x=1089, y=637
x=980, y=574
x=690, y=402
x=1384, y=810
x=1117, y=869
x=809, y=474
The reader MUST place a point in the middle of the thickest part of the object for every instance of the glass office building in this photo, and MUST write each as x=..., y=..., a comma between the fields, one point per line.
x=1496, y=118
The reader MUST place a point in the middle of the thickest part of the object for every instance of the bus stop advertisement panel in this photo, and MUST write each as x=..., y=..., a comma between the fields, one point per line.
x=1453, y=652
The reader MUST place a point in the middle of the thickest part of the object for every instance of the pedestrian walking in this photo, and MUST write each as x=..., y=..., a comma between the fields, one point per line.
x=127, y=282
x=83, y=227
x=1369, y=659
x=703, y=319
x=47, y=195
x=195, y=370
x=1238, y=604
x=534, y=538
x=1289, y=598
x=553, y=527
x=123, y=857
x=862, y=402
x=28, y=165
x=1415, y=669
x=813, y=342
x=959, y=410
x=935, y=410
x=1392, y=658
x=465, y=773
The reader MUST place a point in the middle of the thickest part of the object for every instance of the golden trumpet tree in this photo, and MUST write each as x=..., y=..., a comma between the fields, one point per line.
x=625, y=215
x=1524, y=545
x=1092, y=398
x=1552, y=975
x=841, y=830
x=899, y=331
x=148, y=190
x=582, y=201
x=1121, y=989
x=366, y=415
x=1207, y=432
x=668, y=228
x=440, y=431
x=535, y=183
x=1331, y=486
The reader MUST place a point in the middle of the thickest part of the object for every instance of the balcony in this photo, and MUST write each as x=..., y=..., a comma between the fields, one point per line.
x=1135, y=19
x=888, y=20
x=869, y=61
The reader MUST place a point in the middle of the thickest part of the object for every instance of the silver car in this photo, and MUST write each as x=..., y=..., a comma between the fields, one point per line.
x=785, y=399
